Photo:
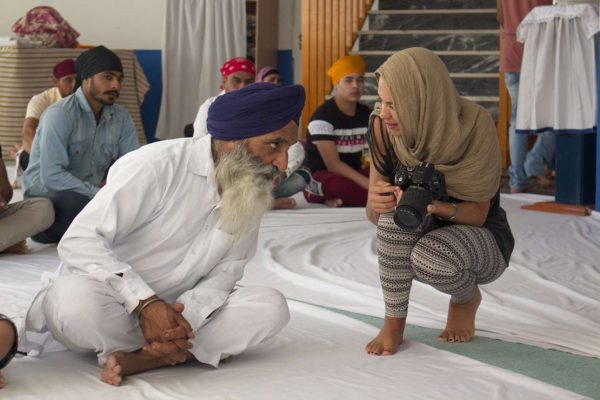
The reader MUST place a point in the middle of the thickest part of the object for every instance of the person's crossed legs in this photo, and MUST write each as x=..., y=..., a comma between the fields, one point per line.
x=98, y=322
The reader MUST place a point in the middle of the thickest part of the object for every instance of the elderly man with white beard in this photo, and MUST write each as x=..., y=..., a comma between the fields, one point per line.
x=149, y=267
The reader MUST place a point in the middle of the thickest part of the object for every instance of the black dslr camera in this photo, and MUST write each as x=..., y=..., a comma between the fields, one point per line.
x=420, y=186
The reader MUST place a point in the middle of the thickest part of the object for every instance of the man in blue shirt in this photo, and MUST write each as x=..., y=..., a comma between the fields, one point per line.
x=78, y=139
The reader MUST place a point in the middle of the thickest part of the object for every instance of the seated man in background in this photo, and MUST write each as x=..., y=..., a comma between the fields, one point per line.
x=20, y=220
x=150, y=265
x=235, y=74
x=336, y=140
x=78, y=139
x=64, y=83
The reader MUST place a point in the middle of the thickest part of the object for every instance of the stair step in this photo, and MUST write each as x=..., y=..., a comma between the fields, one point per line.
x=438, y=52
x=453, y=75
x=482, y=99
x=429, y=4
x=490, y=103
x=432, y=32
x=440, y=19
x=468, y=86
x=424, y=11
x=464, y=62
x=438, y=40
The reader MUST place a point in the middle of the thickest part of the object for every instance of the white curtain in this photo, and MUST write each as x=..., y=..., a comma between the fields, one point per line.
x=200, y=35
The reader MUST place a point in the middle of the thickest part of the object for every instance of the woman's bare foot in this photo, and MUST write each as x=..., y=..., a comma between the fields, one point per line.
x=389, y=338
x=120, y=364
x=2, y=382
x=18, y=248
x=460, y=326
x=286, y=203
x=334, y=203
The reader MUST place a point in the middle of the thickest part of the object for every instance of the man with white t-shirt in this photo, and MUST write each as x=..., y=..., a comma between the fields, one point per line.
x=63, y=77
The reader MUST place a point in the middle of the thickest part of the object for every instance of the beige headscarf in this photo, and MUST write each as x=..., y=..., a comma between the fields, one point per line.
x=440, y=127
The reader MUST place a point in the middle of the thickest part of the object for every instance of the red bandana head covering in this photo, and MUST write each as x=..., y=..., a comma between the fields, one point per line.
x=237, y=64
x=45, y=24
x=64, y=68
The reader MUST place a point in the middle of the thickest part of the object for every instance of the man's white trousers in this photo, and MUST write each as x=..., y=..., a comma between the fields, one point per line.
x=87, y=315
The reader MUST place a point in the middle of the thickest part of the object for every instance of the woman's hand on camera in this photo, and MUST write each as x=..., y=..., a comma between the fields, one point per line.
x=383, y=197
x=441, y=209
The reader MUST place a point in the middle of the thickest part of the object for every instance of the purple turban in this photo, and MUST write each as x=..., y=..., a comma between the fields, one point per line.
x=254, y=110
x=64, y=68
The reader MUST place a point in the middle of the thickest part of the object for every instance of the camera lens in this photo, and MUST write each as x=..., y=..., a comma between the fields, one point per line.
x=412, y=209
x=407, y=217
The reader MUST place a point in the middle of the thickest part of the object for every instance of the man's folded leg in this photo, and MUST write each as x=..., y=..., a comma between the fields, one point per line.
x=87, y=315
x=250, y=316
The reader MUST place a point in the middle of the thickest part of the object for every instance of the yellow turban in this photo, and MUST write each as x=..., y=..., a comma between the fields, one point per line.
x=345, y=66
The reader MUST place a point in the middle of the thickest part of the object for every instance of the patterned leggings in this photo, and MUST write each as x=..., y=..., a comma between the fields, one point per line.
x=453, y=259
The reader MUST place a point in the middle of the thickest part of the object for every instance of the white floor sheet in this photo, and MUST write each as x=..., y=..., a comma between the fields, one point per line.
x=319, y=355
x=548, y=297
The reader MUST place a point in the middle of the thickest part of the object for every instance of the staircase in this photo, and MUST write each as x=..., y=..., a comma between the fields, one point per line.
x=464, y=33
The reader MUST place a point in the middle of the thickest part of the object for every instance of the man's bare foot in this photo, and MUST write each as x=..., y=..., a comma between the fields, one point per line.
x=113, y=371
x=120, y=364
x=286, y=203
x=389, y=338
x=2, y=382
x=18, y=248
x=333, y=203
x=460, y=326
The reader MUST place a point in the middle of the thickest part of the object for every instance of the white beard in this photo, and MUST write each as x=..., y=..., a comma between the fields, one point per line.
x=246, y=186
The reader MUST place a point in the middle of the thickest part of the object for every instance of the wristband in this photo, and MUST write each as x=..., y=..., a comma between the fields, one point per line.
x=146, y=304
x=453, y=216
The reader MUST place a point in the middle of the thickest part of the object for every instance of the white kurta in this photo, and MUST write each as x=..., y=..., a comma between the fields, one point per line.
x=153, y=230
x=200, y=128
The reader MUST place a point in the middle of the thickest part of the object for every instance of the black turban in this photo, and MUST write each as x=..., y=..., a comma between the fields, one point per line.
x=254, y=110
x=95, y=60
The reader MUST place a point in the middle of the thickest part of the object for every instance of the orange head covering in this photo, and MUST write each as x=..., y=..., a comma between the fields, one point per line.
x=345, y=66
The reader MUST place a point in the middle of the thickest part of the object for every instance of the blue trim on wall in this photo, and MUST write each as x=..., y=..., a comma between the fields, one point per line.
x=575, y=169
x=150, y=61
x=556, y=131
x=598, y=121
x=285, y=65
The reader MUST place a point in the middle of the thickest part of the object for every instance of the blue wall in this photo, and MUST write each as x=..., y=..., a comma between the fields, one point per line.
x=285, y=66
x=598, y=122
x=150, y=61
